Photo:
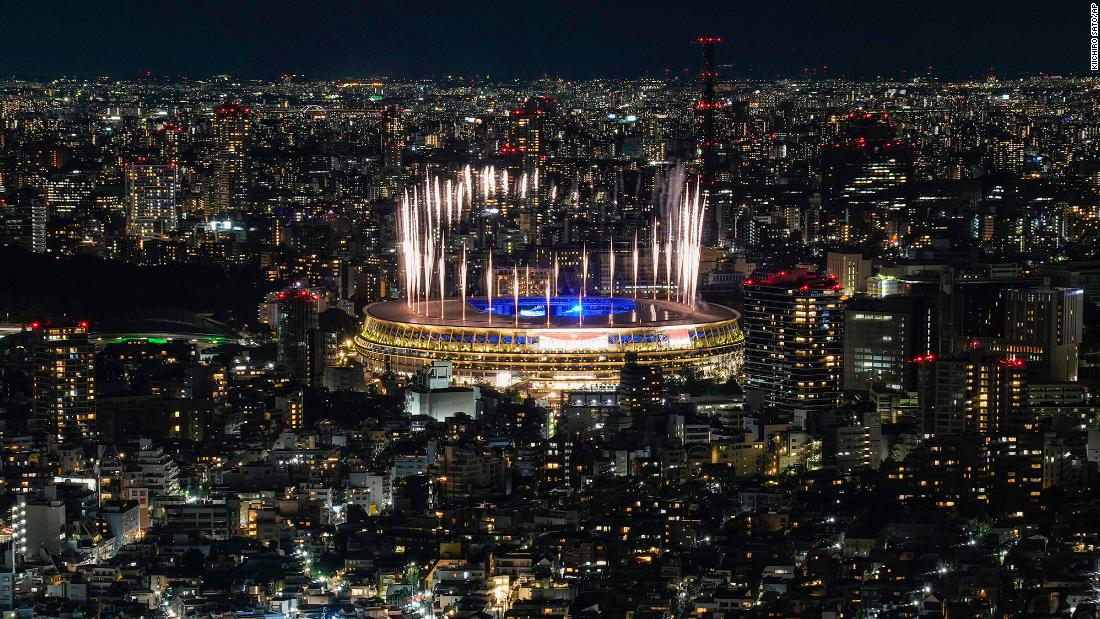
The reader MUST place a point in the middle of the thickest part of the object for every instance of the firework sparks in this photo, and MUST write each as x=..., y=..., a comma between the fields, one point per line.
x=428, y=214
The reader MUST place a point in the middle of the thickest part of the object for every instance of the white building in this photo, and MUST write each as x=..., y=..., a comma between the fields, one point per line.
x=432, y=395
x=370, y=490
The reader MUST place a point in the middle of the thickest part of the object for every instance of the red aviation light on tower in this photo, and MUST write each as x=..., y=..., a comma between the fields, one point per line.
x=707, y=105
x=1012, y=362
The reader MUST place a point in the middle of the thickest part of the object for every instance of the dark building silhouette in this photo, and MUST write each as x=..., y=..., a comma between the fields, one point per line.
x=295, y=333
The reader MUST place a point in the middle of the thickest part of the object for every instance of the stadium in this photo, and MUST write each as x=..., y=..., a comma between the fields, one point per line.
x=551, y=344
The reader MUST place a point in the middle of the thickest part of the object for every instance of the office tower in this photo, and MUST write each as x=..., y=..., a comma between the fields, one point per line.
x=23, y=218
x=150, y=200
x=528, y=132
x=66, y=192
x=793, y=322
x=232, y=138
x=881, y=336
x=393, y=143
x=865, y=162
x=64, y=380
x=1045, y=324
x=852, y=271
x=1008, y=156
x=296, y=323
x=972, y=392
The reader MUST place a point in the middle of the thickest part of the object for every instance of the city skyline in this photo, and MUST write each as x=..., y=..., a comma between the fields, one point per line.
x=342, y=341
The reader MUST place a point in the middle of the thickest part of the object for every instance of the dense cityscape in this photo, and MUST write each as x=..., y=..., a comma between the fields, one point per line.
x=689, y=346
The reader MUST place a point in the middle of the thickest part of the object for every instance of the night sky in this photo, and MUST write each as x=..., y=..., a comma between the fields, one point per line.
x=525, y=39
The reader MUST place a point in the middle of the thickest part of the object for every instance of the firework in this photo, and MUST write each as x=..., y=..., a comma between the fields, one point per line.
x=428, y=214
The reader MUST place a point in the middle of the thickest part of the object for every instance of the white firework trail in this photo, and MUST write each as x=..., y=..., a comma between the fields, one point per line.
x=427, y=214
x=556, y=288
x=442, y=279
x=438, y=203
x=515, y=291
x=584, y=271
x=655, y=248
x=611, y=256
x=458, y=200
x=450, y=203
x=635, y=265
x=468, y=176
x=489, y=285
x=462, y=281
x=611, y=289
x=683, y=210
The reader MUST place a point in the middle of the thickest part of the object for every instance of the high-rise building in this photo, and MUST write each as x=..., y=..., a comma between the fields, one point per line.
x=972, y=392
x=69, y=191
x=232, y=138
x=23, y=219
x=1008, y=155
x=528, y=133
x=793, y=323
x=1045, y=324
x=150, y=200
x=865, y=162
x=64, y=380
x=852, y=270
x=881, y=337
x=393, y=143
x=296, y=323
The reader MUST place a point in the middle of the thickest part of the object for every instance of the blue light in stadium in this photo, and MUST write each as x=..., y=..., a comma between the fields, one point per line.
x=566, y=307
